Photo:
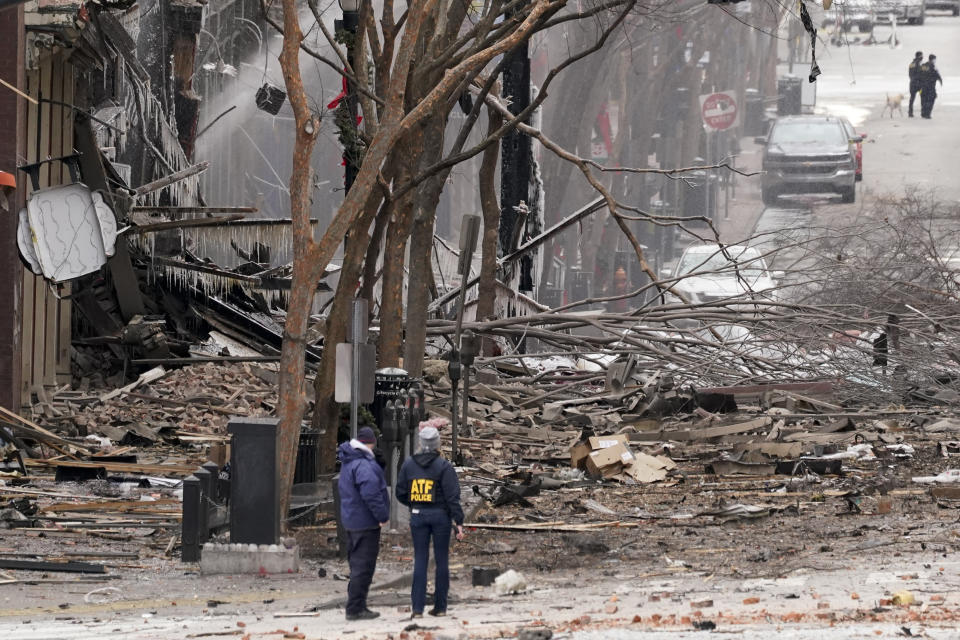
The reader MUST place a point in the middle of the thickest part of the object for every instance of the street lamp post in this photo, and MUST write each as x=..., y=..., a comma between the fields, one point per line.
x=348, y=29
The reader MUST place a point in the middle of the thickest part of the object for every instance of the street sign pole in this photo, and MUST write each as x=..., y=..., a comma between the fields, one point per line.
x=469, y=231
x=709, y=174
x=358, y=335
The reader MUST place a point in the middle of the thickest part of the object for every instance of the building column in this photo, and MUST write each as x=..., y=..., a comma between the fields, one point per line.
x=12, y=48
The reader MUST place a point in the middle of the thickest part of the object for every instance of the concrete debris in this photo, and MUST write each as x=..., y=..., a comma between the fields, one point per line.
x=510, y=583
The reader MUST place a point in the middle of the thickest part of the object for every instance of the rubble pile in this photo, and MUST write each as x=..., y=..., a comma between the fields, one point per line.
x=565, y=469
x=191, y=404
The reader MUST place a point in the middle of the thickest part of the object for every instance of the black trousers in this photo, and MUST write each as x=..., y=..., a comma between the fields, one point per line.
x=362, y=550
x=927, y=98
x=914, y=90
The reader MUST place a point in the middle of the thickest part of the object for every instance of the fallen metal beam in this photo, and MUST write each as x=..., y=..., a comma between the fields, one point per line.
x=181, y=210
x=40, y=565
x=180, y=224
x=173, y=178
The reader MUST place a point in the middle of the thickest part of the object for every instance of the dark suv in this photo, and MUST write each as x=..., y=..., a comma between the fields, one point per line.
x=953, y=6
x=808, y=154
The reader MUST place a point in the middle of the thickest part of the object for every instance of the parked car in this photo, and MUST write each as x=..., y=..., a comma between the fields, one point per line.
x=808, y=154
x=905, y=11
x=858, y=13
x=708, y=275
x=953, y=6
x=857, y=139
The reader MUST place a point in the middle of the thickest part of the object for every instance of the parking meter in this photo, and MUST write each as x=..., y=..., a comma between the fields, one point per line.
x=413, y=407
x=390, y=431
x=453, y=370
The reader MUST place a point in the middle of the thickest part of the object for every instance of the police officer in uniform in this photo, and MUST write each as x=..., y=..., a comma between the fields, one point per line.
x=428, y=484
x=929, y=76
x=914, y=71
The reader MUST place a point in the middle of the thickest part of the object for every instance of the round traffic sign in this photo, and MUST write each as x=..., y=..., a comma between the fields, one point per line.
x=719, y=111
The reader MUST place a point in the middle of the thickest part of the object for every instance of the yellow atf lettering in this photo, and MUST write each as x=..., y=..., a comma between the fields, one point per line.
x=421, y=490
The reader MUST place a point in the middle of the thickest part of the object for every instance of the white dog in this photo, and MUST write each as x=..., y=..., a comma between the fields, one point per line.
x=893, y=102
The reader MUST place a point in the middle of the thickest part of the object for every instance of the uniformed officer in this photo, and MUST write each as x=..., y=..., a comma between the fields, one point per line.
x=929, y=76
x=914, y=71
x=428, y=484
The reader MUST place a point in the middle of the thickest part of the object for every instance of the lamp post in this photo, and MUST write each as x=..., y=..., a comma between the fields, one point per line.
x=348, y=28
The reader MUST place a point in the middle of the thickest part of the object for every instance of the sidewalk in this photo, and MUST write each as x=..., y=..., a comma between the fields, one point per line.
x=746, y=207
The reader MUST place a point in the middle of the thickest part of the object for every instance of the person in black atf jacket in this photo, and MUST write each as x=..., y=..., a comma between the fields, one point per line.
x=929, y=77
x=914, y=71
x=428, y=484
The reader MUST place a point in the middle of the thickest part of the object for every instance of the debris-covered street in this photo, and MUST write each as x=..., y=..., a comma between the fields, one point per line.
x=670, y=289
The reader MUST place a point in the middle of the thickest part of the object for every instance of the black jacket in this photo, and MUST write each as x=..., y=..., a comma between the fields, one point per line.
x=428, y=481
x=914, y=70
x=929, y=75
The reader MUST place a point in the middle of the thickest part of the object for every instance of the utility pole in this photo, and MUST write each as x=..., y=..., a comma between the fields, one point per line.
x=347, y=30
x=515, y=149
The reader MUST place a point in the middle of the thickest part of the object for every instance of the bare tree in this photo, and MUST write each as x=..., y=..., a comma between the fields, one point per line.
x=409, y=73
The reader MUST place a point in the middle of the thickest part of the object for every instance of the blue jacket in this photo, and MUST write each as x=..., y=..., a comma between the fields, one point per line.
x=428, y=481
x=364, y=501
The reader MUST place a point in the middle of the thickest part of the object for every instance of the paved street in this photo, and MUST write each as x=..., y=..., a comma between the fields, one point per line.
x=900, y=154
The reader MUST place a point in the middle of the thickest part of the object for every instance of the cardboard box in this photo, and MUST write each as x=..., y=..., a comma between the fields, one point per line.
x=609, y=461
x=602, y=442
x=578, y=455
x=645, y=468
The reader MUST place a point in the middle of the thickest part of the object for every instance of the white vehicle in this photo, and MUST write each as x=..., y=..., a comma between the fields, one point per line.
x=706, y=274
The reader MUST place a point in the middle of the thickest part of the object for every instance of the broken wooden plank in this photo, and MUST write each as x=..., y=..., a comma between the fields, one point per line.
x=145, y=378
x=819, y=404
x=39, y=433
x=703, y=434
x=756, y=390
x=181, y=403
x=118, y=467
x=123, y=506
x=212, y=359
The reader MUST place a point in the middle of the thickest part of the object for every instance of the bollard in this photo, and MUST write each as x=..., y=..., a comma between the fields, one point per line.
x=203, y=513
x=254, y=481
x=214, y=480
x=189, y=531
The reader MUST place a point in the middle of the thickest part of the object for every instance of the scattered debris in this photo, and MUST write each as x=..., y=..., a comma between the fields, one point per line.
x=950, y=476
x=510, y=583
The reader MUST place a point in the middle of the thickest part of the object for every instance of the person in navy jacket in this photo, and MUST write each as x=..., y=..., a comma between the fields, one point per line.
x=428, y=484
x=364, y=509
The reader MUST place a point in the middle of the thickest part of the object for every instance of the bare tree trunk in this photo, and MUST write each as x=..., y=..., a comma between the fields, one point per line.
x=309, y=258
x=326, y=411
x=394, y=261
x=373, y=253
x=490, y=206
x=292, y=400
x=421, y=250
